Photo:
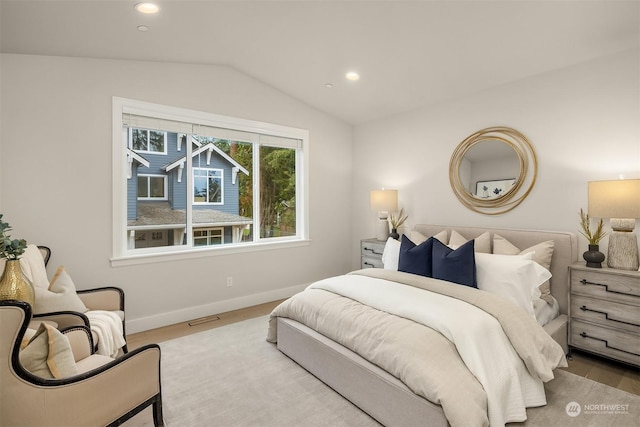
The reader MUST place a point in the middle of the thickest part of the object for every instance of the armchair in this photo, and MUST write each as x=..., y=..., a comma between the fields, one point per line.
x=109, y=298
x=105, y=391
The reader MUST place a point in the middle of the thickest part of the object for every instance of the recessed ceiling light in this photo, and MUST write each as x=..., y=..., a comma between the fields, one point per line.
x=352, y=75
x=143, y=28
x=147, y=8
x=328, y=85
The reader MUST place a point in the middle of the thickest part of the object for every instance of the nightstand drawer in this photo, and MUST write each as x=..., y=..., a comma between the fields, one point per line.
x=609, y=286
x=617, y=344
x=371, y=253
x=368, y=262
x=606, y=313
x=372, y=248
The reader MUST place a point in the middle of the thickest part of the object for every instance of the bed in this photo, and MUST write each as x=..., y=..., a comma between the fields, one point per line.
x=363, y=333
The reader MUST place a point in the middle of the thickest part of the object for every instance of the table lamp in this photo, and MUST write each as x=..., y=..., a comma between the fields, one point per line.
x=383, y=202
x=620, y=201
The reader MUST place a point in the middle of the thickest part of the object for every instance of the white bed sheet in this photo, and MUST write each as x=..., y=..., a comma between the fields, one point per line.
x=545, y=312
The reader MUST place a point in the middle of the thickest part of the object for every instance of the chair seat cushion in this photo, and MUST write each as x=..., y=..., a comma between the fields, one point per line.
x=92, y=362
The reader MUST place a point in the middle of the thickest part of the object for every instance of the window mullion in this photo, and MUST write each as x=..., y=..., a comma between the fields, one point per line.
x=190, y=195
x=256, y=192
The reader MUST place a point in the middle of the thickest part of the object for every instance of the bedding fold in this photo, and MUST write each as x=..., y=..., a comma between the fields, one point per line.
x=429, y=359
x=539, y=352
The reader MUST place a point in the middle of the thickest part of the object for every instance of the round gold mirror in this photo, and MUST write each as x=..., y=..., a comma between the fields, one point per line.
x=493, y=170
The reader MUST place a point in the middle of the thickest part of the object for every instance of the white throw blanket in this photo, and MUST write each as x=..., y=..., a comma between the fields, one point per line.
x=478, y=337
x=108, y=327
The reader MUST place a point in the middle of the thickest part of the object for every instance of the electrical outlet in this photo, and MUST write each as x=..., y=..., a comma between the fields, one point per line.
x=229, y=281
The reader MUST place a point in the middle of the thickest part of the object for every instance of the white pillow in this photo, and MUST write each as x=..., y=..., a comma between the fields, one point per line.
x=542, y=253
x=391, y=254
x=511, y=276
x=482, y=242
x=61, y=295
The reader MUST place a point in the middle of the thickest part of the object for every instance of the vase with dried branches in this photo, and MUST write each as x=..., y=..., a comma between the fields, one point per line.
x=593, y=256
x=396, y=221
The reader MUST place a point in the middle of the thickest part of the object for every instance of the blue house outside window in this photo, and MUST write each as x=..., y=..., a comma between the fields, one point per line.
x=207, y=186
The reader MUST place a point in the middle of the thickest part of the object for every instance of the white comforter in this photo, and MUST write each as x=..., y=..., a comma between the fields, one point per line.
x=477, y=335
x=509, y=362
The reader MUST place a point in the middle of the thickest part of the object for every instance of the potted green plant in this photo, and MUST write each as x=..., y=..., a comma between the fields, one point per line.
x=396, y=221
x=13, y=283
x=593, y=256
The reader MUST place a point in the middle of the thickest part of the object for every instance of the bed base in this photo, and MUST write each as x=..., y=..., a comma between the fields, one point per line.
x=373, y=390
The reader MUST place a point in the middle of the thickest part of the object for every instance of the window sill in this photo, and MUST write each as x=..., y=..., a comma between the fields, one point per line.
x=149, y=258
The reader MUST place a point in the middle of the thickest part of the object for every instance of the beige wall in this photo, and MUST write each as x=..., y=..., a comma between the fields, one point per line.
x=56, y=180
x=583, y=121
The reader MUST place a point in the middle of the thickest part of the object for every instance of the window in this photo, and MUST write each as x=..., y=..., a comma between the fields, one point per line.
x=208, y=236
x=150, y=141
x=207, y=185
x=152, y=187
x=186, y=180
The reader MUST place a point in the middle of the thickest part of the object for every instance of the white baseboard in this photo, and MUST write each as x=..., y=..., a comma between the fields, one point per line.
x=178, y=316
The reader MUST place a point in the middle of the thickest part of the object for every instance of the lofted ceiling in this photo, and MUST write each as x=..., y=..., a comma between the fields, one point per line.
x=409, y=54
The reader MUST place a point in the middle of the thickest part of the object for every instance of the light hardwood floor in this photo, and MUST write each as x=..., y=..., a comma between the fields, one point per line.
x=597, y=369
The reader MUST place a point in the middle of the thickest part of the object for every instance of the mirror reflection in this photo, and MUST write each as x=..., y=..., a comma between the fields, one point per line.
x=489, y=168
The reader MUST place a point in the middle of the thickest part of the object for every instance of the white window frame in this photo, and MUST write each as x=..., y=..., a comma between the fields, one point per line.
x=209, y=230
x=208, y=203
x=165, y=185
x=123, y=256
x=163, y=152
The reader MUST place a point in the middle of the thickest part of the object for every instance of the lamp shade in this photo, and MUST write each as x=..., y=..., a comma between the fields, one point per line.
x=384, y=200
x=614, y=199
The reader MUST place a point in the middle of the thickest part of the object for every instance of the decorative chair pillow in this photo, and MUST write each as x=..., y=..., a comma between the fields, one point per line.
x=60, y=296
x=48, y=354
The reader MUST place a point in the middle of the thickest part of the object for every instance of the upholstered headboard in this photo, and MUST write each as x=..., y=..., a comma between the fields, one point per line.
x=565, y=251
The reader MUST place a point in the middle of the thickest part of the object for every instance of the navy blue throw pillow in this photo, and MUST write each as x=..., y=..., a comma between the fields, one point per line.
x=457, y=266
x=415, y=259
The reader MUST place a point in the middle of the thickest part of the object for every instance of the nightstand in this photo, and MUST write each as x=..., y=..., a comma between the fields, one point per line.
x=604, y=312
x=371, y=253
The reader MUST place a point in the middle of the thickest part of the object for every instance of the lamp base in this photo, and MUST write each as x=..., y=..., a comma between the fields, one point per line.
x=382, y=229
x=623, y=251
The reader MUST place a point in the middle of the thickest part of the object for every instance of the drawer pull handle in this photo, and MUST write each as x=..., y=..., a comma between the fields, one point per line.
x=373, y=251
x=368, y=263
x=606, y=343
x=606, y=288
x=606, y=316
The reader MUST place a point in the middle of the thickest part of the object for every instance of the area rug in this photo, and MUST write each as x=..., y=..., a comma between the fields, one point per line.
x=230, y=376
